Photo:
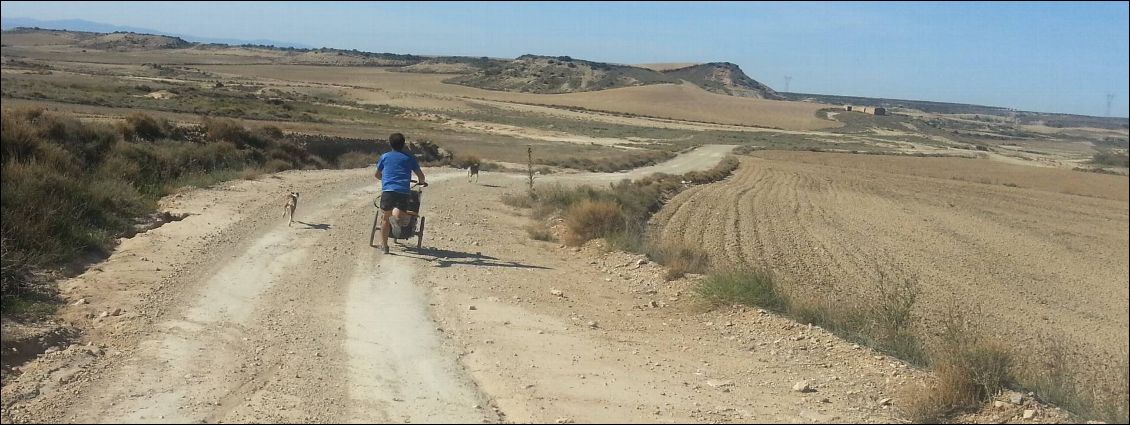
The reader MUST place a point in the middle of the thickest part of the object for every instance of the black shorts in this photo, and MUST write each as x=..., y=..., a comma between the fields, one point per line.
x=390, y=200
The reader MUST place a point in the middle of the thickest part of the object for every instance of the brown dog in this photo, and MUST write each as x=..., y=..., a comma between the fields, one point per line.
x=291, y=204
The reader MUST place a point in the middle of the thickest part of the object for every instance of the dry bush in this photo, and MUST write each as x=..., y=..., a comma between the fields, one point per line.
x=540, y=233
x=276, y=165
x=222, y=129
x=355, y=160
x=889, y=319
x=590, y=219
x=633, y=202
x=968, y=370
x=1056, y=377
x=680, y=259
x=465, y=161
x=71, y=188
x=518, y=200
x=144, y=127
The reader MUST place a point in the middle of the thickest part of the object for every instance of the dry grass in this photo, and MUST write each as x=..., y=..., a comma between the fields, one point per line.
x=1056, y=376
x=890, y=318
x=884, y=321
x=620, y=214
x=590, y=219
x=70, y=188
x=518, y=200
x=356, y=160
x=679, y=259
x=465, y=160
x=968, y=369
x=540, y=233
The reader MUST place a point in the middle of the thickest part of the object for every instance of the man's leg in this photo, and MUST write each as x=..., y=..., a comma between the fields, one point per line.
x=385, y=228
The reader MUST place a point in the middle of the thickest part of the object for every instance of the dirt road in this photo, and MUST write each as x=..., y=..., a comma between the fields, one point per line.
x=280, y=324
x=699, y=159
x=232, y=316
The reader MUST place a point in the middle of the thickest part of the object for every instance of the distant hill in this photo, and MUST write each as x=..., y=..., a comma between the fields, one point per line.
x=451, y=65
x=121, y=41
x=129, y=40
x=557, y=74
x=563, y=74
x=665, y=66
x=724, y=78
x=527, y=73
x=98, y=27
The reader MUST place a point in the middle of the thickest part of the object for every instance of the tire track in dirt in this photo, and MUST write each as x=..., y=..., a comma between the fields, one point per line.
x=399, y=367
x=262, y=335
x=396, y=366
x=205, y=361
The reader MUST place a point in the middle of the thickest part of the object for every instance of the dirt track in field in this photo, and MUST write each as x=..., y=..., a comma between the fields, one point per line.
x=231, y=315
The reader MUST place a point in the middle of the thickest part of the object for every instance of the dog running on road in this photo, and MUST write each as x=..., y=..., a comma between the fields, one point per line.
x=291, y=204
x=473, y=172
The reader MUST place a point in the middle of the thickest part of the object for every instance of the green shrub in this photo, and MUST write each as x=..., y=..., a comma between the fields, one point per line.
x=145, y=127
x=71, y=188
x=750, y=287
x=1111, y=159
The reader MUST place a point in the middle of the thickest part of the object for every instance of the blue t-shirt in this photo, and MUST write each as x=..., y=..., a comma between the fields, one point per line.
x=396, y=171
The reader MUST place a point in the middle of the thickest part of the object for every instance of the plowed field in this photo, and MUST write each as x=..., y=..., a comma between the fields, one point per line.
x=1034, y=260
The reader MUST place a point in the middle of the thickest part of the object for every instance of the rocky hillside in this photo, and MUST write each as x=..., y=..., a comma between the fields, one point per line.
x=545, y=74
x=724, y=78
x=451, y=65
x=92, y=40
x=527, y=73
x=561, y=74
x=129, y=41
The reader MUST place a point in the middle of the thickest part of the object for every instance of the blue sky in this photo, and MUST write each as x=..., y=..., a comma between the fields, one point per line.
x=1039, y=56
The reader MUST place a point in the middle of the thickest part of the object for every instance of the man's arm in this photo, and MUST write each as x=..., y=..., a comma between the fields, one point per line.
x=420, y=176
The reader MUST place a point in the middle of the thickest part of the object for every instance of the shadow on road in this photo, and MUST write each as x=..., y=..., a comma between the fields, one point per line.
x=448, y=258
x=318, y=226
